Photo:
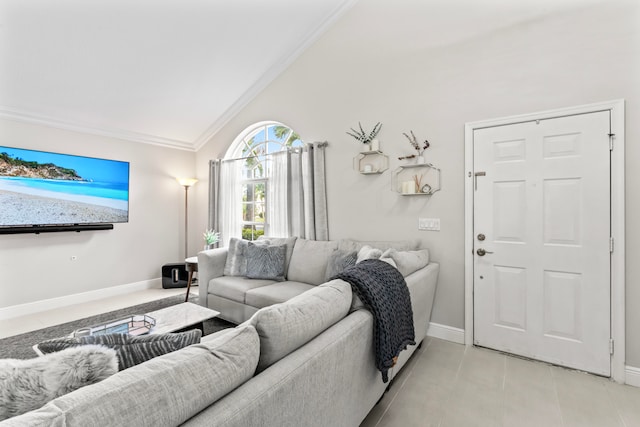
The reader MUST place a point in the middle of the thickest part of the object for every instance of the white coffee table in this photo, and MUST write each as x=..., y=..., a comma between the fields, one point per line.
x=180, y=316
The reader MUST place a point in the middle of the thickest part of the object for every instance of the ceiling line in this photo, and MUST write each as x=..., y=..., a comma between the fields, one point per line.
x=270, y=75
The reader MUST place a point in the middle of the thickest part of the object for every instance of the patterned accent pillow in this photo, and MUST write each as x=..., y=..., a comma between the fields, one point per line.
x=338, y=261
x=266, y=262
x=131, y=350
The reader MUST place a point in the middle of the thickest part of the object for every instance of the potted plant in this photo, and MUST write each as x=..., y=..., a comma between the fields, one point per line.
x=367, y=138
x=211, y=237
x=419, y=147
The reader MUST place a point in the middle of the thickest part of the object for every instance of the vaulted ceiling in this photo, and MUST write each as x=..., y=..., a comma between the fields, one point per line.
x=173, y=72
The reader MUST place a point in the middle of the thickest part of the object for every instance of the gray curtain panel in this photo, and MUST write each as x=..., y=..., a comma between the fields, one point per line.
x=214, y=195
x=308, y=194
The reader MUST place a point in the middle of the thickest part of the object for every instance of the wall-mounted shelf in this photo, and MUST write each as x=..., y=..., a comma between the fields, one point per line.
x=403, y=179
x=371, y=162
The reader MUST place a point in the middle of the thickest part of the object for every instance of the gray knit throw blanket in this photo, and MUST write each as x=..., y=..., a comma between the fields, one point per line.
x=384, y=292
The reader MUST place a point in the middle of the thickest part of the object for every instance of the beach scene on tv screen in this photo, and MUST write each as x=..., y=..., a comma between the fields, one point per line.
x=42, y=188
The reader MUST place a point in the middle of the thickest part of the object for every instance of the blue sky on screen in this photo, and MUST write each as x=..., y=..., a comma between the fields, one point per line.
x=99, y=170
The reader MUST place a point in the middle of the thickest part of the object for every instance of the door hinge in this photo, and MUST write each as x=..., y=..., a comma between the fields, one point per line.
x=611, y=244
x=611, y=135
x=611, y=346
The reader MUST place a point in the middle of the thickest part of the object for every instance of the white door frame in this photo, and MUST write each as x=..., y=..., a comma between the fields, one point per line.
x=616, y=109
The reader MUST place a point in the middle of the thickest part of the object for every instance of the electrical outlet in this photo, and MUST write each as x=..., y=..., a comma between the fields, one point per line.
x=431, y=224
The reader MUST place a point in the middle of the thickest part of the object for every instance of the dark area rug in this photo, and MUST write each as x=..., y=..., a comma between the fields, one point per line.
x=20, y=346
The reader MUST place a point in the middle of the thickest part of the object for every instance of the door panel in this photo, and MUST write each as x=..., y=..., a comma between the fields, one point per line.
x=542, y=289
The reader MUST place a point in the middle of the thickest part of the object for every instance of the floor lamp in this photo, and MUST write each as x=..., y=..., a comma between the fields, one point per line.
x=186, y=183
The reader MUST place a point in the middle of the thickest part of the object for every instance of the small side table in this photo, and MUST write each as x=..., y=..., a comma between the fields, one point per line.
x=191, y=264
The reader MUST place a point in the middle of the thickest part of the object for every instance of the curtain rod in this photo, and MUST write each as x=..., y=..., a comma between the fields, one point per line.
x=289, y=149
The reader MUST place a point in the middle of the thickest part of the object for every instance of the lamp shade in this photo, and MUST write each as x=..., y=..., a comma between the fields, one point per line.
x=186, y=182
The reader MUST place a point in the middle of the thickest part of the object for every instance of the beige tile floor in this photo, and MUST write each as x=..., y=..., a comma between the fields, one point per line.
x=22, y=324
x=447, y=385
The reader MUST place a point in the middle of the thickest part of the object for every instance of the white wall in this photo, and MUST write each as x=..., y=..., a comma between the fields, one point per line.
x=39, y=267
x=584, y=56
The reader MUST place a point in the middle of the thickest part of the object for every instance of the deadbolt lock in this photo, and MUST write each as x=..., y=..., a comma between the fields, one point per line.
x=481, y=237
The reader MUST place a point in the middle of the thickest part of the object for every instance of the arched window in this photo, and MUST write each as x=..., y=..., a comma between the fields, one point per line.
x=255, y=146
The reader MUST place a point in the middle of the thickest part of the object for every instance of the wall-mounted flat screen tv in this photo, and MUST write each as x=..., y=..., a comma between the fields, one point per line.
x=39, y=188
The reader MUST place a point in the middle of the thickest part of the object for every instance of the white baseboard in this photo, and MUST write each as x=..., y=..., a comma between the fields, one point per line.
x=65, y=301
x=444, y=332
x=449, y=333
x=632, y=376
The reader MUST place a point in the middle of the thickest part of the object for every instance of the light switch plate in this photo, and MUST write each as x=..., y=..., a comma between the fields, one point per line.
x=431, y=224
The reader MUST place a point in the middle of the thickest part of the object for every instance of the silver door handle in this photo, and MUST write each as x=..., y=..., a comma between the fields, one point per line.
x=475, y=179
x=482, y=252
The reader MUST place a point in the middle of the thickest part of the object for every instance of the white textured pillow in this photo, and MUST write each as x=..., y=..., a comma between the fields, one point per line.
x=407, y=262
x=367, y=252
x=285, y=327
x=28, y=384
x=236, y=263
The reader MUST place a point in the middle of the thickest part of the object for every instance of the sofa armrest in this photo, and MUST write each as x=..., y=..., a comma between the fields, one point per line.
x=210, y=265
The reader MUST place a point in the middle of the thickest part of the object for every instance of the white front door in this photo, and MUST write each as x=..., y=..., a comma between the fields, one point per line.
x=542, y=217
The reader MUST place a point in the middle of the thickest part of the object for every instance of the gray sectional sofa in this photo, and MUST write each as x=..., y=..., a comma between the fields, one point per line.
x=309, y=263
x=308, y=361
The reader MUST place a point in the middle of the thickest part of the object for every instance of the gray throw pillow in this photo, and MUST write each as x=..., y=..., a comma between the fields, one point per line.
x=28, y=384
x=131, y=350
x=266, y=261
x=338, y=261
x=288, y=242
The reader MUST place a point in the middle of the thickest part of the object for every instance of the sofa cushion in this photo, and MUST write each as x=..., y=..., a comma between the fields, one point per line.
x=265, y=261
x=235, y=288
x=28, y=384
x=167, y=390
x=131, y=350
x=309, y=260
x=338, y=261
x=288, y=242
x=383, y=245
x=265, y=296
x=285, y=327
x=407, y=262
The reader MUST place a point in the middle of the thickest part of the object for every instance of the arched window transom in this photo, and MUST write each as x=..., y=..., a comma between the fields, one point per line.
x=254, y=146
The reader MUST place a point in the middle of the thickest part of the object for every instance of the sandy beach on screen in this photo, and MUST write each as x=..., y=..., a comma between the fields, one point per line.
x=25, y=209
x=7, y=185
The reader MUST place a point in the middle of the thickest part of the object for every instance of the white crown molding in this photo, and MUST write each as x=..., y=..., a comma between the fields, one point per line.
x=34, y=118
x=271, y=74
